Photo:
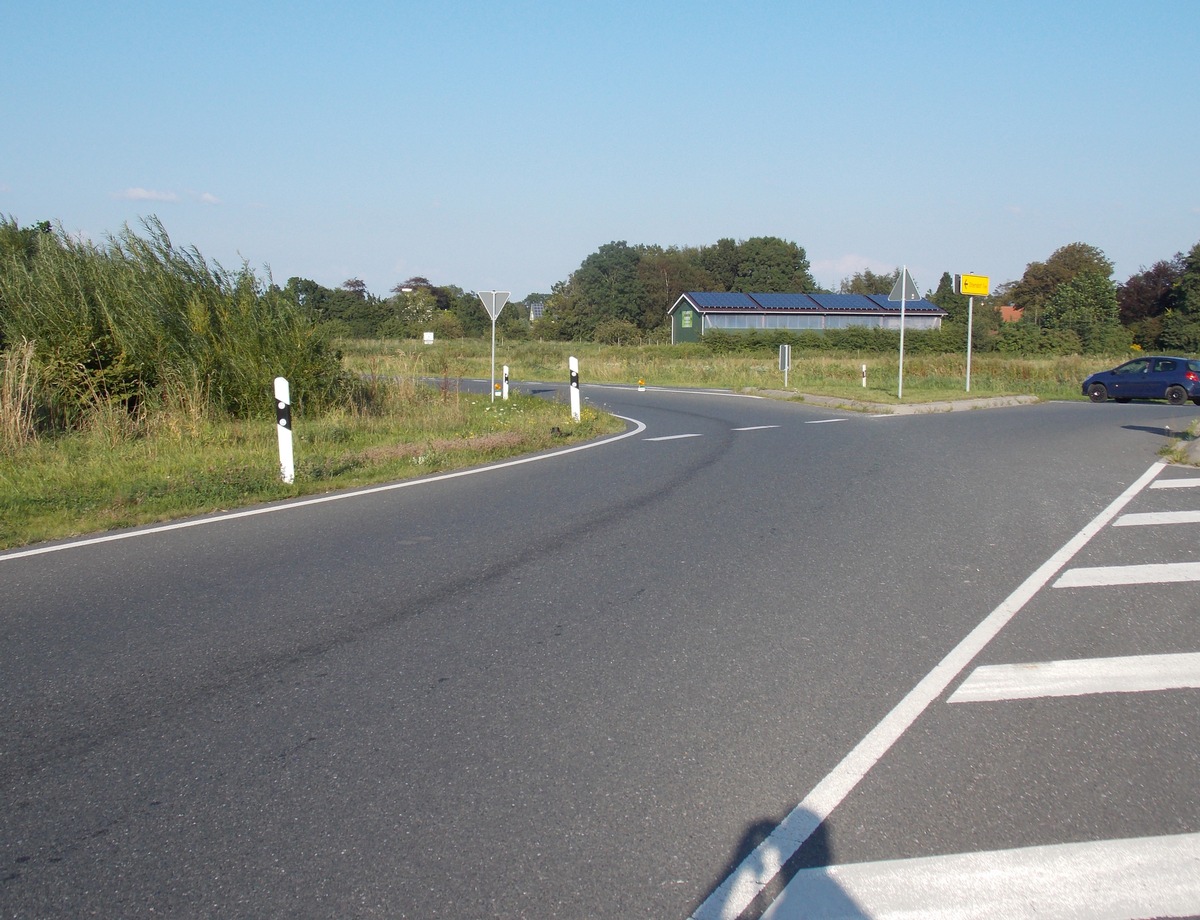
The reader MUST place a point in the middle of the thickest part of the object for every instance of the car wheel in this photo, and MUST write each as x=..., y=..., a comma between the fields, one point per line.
x=1098, y=392
x=1176, y=396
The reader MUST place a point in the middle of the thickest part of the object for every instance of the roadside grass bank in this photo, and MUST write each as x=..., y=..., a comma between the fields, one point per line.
x=123, y=471
x=927, y=378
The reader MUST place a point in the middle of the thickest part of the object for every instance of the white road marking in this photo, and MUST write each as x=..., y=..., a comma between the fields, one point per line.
x=755, y=872
x=1177, y=484
x=1152, y=519
x=673, y=437
x=1102, y=880
x=756, y=428
x=1103, y=576
x=1132, y=674
x=638, y=428
x=825, y=421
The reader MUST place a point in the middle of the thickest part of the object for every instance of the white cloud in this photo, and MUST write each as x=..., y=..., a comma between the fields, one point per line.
x=208, y=198
x=145, y=194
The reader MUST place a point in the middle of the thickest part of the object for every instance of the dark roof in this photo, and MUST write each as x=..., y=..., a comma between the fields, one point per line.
x=733, y=301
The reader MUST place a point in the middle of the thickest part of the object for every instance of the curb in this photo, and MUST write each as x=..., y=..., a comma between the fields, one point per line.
x=955, y=405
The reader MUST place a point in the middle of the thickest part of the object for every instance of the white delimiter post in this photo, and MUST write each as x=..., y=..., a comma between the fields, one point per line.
x=573, y=365
x=283, y=425
x=504, y=388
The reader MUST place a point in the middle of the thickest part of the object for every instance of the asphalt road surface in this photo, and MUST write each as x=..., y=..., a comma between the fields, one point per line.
x=714, y=667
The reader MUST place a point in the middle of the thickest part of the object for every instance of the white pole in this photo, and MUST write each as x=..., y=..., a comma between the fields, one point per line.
x=903, y=294
x=970, y=322
x=493, y=357
x=573, y=366
x=504, y=391
x=283, y=425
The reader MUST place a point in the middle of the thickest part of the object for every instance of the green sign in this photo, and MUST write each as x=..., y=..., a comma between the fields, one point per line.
x=685, y=319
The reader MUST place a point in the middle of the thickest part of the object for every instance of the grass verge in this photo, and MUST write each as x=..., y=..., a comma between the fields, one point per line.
x=116, y=474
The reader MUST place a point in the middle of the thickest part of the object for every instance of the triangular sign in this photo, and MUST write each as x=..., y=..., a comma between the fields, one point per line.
x=905, y=288
x=493, y=301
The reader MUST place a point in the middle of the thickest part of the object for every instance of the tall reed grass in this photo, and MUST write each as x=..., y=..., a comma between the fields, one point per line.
x=138, y=319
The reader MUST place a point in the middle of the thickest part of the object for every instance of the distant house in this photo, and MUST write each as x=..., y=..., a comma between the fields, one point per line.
x=697, y=313
x=1011, y=314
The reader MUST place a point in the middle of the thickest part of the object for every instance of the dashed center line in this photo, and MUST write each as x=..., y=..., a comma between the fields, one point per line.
x=756, y=428
x=674, y=437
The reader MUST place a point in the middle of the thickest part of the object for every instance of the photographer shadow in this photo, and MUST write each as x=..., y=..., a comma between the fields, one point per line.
x=760, y=862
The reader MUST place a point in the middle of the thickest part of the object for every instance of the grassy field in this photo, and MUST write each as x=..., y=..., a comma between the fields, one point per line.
x=926, y=378
x=173, y=461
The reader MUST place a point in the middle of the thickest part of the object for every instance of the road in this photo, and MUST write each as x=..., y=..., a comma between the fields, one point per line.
x=592, y=684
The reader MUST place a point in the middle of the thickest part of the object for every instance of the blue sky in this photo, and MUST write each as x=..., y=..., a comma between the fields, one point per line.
x=497, y=145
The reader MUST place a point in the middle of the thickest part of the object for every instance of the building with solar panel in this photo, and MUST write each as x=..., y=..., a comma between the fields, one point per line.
x=697, y=312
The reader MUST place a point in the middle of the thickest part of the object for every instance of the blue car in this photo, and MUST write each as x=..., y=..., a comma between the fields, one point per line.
x=1154, y=377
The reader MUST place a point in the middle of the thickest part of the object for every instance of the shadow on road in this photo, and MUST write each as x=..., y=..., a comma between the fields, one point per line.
x=756, y=854
x=1165, y=431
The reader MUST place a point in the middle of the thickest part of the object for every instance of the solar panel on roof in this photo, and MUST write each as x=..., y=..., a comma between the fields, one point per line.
x=721, y=299
x=784, y=301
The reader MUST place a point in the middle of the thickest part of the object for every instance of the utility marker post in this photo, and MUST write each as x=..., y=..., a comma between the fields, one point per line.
x=504, y=389
x=493, y=302
x=971, y=285
x=785, y=362
x=573, y=366
x=283, y=425
x=904, y=290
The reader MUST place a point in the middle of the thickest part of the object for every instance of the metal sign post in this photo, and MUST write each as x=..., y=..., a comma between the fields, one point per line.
x=785, y=362
x=971, y=285
x=493, y=302
x=904, y=290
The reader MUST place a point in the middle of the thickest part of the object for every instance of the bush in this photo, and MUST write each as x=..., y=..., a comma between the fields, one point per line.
x=115, y=324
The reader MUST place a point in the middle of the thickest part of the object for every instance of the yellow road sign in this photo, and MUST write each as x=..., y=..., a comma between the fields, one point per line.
x=972, y=285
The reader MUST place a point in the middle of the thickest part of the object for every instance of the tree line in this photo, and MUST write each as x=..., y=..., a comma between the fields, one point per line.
x=1068, y=304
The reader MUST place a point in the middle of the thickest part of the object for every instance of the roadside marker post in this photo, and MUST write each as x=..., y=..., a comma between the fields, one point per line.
x=785, y=362
x=573, y=366
x=864, y=376
x=504, y=390
x=641, y=384
x=283, y=426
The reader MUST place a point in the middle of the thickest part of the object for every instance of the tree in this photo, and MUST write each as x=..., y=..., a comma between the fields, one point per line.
x=1148, y=296
x=665, y=274
x=1042, y=279
x=767, y=264
x=1087, y=306
x=867, y=282
x=1181, y=323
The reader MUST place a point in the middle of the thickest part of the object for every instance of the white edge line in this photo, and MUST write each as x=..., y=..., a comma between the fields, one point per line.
x=321, y=499
x=755, y=872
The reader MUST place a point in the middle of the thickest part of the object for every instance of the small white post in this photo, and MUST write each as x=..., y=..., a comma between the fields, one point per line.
x=505, y=388
x=283, y=425
x=864, y=376
x=573, y=366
